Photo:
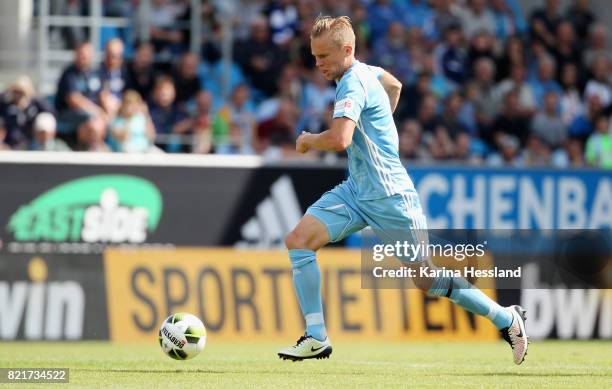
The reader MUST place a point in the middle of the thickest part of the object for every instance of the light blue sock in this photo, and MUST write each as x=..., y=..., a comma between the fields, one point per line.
x=471, y=299
x=307, y=282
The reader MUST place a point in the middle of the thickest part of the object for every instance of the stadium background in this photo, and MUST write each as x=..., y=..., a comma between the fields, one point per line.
x=105, y=242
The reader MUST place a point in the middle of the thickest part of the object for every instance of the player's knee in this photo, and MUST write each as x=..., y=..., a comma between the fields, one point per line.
x=296, y=240
x=423, y=283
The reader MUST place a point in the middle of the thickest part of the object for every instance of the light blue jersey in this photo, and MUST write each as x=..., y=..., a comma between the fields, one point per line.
x=375, y=169
x=378, y=192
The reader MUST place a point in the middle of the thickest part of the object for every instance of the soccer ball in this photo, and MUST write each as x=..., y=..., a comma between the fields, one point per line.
x=182, y=336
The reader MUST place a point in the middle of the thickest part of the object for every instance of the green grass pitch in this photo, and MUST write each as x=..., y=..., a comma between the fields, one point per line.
x=550, y=364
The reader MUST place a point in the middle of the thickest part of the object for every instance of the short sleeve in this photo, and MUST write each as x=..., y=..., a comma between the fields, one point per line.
x=350, y=99
x=378, y=71
x=71, y=83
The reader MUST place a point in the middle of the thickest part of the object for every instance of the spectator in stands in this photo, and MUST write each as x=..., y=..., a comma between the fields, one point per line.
x=186, y=79
x=566, y=48
x=300, y=54
x=571, y=102
x=451, y=118
x=289, y=87
x=439, y=143
x=508, y=152
x=279, y=130
x=361, y=26
x=584, y=124
x=141, y=73
x=235, y=143
x=283, y=21
x=391, y=54
x=463, y=149
x=132, y=131
x=260, y=59
x=19, y=107
x=452, y=56
x=581, y=17
x=517, y=81
x=547, y=124
x=207, y=125
x=482, y=45
x=410, y=142
x=485, y=105
x=456, y=129
x=503, y=19
x=165, y=37
x=574, y=149
x=598, y=83
x=244, y=16
x=447, y=71
x=381, y=14
x=440, y=86
x=113, y=76
x=428, y=115
x=415, y=45
x=44, y=139
x=467, y=113
x=510, y=122
x=318, y=94
x=599, y=145
x=514, y=55
x=544, y=81
x=238, y=115
x=3, y=145
x=476, y=18
x=597, y=44
x=72, y=34
x=543, y=23
x=416, y=14
x=412, y=96
x=167, y=116
x=77, y=94
x=117, y=8
x=537, y=152
x=444, y=16
x=91, y=135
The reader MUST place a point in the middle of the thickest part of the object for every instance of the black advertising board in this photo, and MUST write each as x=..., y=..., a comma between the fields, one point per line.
x=51, y=208
x=52, y=297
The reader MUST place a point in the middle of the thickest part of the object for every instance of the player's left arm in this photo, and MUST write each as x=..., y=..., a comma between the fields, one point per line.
x=337, y=138
x=391, y=85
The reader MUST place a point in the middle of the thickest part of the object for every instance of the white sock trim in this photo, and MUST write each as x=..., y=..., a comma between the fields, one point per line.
x=492, y=314
x=299, y=263
x=314, y=319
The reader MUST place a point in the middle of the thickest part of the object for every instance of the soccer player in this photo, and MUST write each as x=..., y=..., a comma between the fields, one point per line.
x=378, y=192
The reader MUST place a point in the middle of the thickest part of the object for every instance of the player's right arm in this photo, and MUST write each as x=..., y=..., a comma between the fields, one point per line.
x=337, y=138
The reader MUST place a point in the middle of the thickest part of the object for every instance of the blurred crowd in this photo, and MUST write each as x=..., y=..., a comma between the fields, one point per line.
x=483, y=82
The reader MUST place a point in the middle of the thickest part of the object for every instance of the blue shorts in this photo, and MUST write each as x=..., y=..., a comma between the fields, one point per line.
x=395, y=218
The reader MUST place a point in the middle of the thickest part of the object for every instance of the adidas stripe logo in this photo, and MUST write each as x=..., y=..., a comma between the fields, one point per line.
x=274, y=217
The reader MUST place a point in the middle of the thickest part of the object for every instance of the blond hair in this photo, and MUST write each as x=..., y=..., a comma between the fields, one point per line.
x=340, y=29
x=130, y=97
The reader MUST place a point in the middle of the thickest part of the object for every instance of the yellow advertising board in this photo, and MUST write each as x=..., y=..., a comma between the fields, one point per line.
x=249, y=295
